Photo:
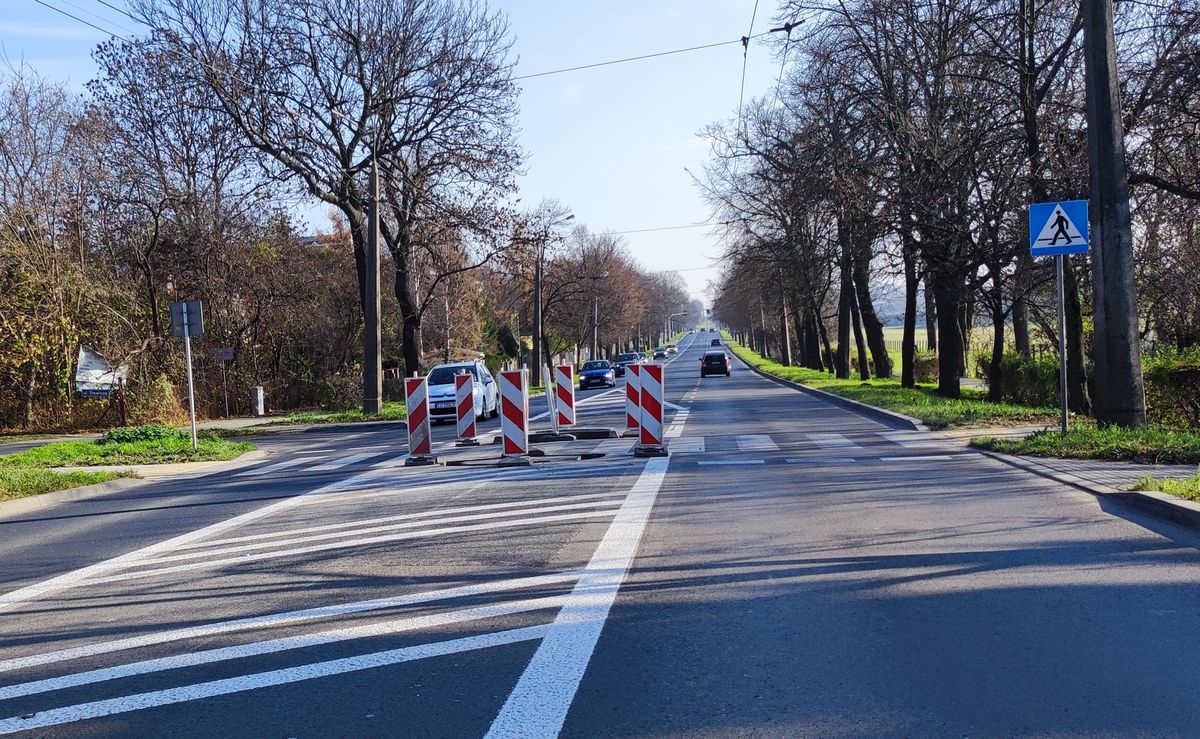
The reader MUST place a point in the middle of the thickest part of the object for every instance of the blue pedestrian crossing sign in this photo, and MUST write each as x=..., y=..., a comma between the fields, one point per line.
x=1058, y=228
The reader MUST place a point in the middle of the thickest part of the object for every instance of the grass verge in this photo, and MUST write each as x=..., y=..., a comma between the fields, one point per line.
x=176, y=448
x=1187, y=488
x=1112, y=443
x=972, y=409
x=391, y=411
x=23, y=482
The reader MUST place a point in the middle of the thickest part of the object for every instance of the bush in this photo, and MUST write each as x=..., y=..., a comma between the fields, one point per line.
x=1023, y=380
x=1172, y=381
x=156, y=401
x=341, y=392
x=148, y=432
x=925, y=367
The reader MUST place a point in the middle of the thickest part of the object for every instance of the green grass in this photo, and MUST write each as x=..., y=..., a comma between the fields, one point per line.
x=391, y=411
x=23, y=482
x=972, y=409
x=177, y=448
x=1187, y=488
x=1145, y=446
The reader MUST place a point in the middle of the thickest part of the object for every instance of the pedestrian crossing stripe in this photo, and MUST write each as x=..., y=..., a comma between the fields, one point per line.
x=1063, y=231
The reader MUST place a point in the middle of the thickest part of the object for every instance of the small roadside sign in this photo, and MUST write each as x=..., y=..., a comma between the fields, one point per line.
x=1058, y=228
x=189, y=313
x=221, y=354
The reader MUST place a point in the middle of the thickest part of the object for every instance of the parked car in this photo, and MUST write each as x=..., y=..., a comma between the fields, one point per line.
x=714, y=363
x=660, y=353
x=711, y=330
x=441, y=390
x=715, y=342
x=597, y=372
x=624, y=360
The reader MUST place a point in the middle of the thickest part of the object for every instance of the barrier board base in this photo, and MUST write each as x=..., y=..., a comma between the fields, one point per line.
x=467, y=442
x=420, y=461
x=650, y=450
x=514, y=462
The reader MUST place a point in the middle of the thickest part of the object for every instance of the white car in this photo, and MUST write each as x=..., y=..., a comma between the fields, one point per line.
x=441, y=391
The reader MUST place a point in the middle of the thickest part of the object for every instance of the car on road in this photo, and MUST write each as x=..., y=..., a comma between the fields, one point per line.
x=711, y=330
x=672, y=349
x=714, y=363
x=441, y=390
x=624, y=360
x=660, y=353
x=597, y=372
x=715, y=342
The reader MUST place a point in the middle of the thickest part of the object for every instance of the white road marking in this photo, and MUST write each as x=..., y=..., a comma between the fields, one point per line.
x=925, y=458
x=585, y=401
x=283, y=644
x=912, y=439
x=832, y=441
x=688, y=445
x=345, y=544
x=538, y=704
x=404, y=517
x=818, y=460
x=183, y=694
x=715, y=462
x=334, y=464
x=365, y=528
x=677, y=424
x=274, y=467
x=75, y=578
x=757, y=443
x=285, y=618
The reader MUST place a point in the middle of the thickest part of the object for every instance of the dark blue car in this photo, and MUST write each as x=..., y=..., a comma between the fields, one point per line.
x=598, y=372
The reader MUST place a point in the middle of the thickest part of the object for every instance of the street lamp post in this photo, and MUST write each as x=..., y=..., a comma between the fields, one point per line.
x=596, y=314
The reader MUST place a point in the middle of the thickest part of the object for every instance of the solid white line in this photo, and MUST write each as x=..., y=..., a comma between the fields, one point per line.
x=274, y=467
x=183, y=694
x=537, y=706
x=272, y=646
x=757, y=443
x=367, y=529
x=912, y=439
x=732, y=461
x=344, y=544
x=818, y=460
x=75, y=578
x=925, y=458
x=403, y=517
x=833, y=441
x=285, y=618
x=334, y=464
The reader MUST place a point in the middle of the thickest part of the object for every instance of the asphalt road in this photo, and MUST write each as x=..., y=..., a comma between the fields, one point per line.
x=793, y=569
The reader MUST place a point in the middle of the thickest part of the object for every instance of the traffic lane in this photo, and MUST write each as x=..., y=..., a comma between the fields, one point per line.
x=225, y=590
x=942, y=596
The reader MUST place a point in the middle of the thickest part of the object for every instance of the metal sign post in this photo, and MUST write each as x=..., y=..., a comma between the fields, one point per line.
x=187, y=320
x=224, y=355
x=1058, y=230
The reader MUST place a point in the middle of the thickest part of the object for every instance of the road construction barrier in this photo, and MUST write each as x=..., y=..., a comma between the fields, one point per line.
x=633, y=396
x=464, y=402
x=564, y=389
x=514, y=412
x=653, y=382
x=416, y=405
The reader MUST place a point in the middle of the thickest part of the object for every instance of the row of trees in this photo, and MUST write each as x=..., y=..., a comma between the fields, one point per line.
x=899, y=152
x=176, y=175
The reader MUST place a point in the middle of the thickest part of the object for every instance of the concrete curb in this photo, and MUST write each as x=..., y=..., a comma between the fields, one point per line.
x=46, y=500
x=1161, y=505
x=874, y=412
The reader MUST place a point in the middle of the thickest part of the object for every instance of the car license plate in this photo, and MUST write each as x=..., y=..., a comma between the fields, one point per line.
x=442, y=406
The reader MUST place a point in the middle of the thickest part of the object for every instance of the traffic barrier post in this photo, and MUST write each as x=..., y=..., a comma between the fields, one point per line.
x=564, y=389
x=633, y=398
x=651, y=442
x=464, y=401
x=514, y=416
x=416, y=405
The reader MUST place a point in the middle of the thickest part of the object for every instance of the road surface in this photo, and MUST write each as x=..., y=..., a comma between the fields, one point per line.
x=793, y=569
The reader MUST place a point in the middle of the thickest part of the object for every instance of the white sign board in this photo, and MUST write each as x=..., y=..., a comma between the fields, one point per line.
x=95, y=377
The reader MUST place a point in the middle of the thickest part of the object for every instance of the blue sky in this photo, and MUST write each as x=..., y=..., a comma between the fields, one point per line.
x=614, y=143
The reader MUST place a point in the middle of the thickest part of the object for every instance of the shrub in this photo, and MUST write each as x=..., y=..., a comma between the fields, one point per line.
x=148, y=432
x=1023, y=380
x=341, y=392
x=156, y=401
x=925, y=366
x=1172, y=380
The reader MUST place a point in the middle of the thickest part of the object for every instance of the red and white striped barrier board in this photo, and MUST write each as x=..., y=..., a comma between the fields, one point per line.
x=514, y=412
x=416, y=405
x=653, y=380
x=564, y=389
x=633, y=396
x=464, y=403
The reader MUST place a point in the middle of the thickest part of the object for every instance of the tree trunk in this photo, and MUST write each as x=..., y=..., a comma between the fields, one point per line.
x=785, y=341
x=931, y=318
x=870, y=320
x=1077, y=391
x=864, y=372
x=947, y=293
x=996, y=366
x=409, y=315
x=908, y=342
x=1020, y=304
x=842, y=363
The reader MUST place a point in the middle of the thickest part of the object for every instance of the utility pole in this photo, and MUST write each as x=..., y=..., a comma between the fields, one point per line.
x=1120, y=394
x=537, y=317
x=372, y=357
x=595, y=326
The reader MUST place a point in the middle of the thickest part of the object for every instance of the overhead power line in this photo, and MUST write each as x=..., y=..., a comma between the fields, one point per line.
x=667, y=228
x=635, y=58
x=77, y=18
